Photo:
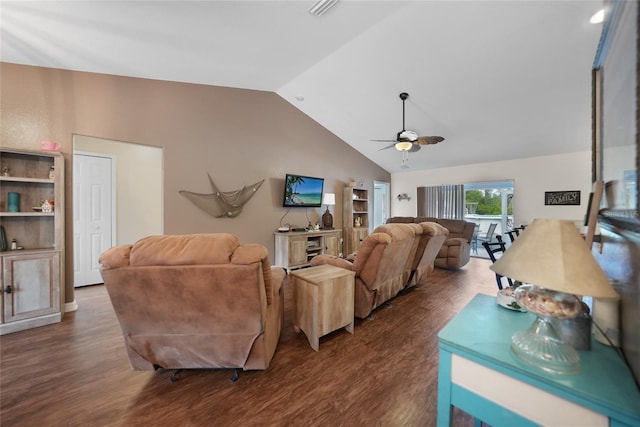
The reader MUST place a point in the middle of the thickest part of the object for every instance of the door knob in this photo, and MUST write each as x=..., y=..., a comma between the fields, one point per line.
x=7, y=289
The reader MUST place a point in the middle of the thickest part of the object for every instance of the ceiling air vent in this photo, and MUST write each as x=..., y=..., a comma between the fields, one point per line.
x=322, y=6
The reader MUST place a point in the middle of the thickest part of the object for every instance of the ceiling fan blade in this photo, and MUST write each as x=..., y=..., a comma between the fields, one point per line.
x=388, y=146
x=415, y=147
x=428, y=140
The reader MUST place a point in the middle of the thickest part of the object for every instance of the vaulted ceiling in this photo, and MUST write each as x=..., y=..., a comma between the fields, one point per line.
x=498, y=79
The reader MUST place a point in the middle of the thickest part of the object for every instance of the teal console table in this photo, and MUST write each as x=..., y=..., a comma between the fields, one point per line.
x=480, y=375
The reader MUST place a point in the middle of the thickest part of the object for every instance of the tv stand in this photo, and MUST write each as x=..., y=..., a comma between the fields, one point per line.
x=294, y=249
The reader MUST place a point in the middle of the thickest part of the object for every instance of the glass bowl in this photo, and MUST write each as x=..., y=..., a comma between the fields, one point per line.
x=548, y=303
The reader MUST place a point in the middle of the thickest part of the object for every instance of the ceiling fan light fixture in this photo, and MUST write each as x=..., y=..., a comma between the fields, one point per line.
x=322, y=6
x=404, y=146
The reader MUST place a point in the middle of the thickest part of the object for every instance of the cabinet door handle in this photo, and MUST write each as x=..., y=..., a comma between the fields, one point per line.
x=7, y=289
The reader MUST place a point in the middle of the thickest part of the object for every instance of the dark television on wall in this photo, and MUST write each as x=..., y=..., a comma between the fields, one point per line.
x=302, y=191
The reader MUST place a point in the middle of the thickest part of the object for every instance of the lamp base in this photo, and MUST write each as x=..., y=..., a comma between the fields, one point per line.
x=541, y=346
x=327, y=220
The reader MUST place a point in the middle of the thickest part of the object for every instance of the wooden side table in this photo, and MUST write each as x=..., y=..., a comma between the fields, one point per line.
x=479, y=374
x=322, y=301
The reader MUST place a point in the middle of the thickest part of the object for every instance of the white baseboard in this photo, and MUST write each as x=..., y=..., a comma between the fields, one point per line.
x=70, y=306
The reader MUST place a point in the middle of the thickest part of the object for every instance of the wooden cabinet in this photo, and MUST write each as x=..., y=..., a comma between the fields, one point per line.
x=32, y=273
x=295, y=249
x=332, y=243
x=31, y=290
x=355, y=217
x=354, y=239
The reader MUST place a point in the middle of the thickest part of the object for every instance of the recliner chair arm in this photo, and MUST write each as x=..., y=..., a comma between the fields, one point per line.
x=455, y=241
x=332, y=260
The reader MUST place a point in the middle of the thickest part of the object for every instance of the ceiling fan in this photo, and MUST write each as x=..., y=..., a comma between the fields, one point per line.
x=408, y=140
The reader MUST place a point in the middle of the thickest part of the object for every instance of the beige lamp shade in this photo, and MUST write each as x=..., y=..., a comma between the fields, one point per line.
x=329, y=199
x=552, y=254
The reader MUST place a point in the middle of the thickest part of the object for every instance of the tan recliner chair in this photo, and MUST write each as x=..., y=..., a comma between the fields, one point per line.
x=380, y=265
x=430, y=244
x=456, y=249
x=195, y=301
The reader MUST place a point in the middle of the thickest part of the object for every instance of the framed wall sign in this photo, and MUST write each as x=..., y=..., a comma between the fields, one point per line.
x=562, y=197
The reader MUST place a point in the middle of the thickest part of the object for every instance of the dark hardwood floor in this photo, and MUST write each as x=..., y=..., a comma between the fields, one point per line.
x=76, y=373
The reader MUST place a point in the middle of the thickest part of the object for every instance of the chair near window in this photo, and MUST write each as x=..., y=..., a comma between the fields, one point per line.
x=492, y=249
x=474, y=239
x=515, y=232
x=488, y=237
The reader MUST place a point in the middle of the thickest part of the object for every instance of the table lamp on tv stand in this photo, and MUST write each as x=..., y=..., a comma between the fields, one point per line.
x=327, y=219
x=554, y=261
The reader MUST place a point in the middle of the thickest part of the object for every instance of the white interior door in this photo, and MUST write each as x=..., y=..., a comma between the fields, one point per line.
x=381, y=202
x=92, y=215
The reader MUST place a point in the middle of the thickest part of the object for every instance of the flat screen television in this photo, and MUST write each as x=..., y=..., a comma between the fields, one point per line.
x=302, y=191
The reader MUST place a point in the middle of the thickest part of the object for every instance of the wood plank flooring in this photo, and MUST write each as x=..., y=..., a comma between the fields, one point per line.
x=76, y=373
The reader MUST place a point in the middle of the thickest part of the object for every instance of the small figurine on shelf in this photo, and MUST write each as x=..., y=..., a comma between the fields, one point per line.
x=6, y=171
x=46, y=206
x=357, y=222
x=52, y=172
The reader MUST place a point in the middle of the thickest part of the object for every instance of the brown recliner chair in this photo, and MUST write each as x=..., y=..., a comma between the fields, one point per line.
x=456, y=249
x=428, y=240
x=380, y=265
x=195, y=301
x=411, y=263
x=430, y=243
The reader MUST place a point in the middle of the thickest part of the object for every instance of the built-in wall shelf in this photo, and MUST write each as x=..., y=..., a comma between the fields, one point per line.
x=32, y=275
x=355, y=217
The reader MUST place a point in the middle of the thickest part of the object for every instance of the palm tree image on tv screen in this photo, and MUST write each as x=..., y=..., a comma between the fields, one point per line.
x=303, y=191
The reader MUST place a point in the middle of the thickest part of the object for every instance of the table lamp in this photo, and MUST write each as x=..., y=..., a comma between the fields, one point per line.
x=553, y=260
x=327, y=218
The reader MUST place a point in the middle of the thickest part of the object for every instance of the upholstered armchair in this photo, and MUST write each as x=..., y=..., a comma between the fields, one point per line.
x=411, y=262
x=456, y=249
x=430, y=244
x=380, y=265
x=195, y=301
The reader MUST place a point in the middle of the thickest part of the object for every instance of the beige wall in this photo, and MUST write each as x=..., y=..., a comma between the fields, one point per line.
x=238, y=136
x=532, y=177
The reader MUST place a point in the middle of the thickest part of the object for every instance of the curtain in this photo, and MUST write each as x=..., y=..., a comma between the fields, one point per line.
x=428, y=201
x=442, y=201
x=451, y=204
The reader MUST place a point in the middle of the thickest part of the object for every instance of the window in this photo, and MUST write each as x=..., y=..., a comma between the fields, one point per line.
x=487, y=202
